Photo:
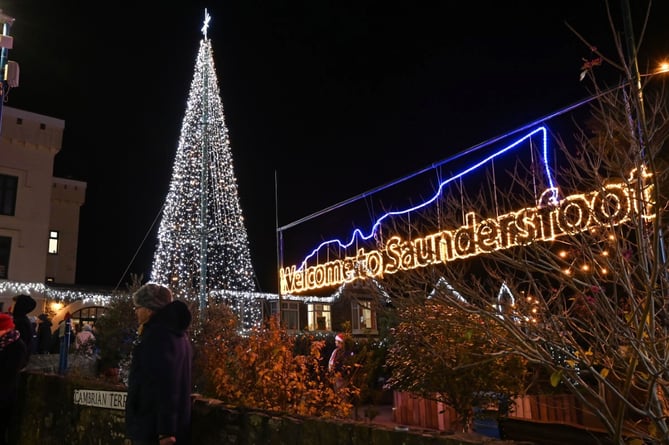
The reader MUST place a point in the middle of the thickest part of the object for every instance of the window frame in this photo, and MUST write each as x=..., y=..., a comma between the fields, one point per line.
x=54, y=240
x=316, y=311
x=362, y=310
x=9, y=189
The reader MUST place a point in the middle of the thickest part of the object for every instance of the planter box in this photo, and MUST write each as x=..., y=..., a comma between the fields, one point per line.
x=557, y=408
x=415, y=411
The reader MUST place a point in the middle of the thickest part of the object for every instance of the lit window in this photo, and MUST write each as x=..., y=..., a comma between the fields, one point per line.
x=318, y=317
x=363, y=317
x=53, y=242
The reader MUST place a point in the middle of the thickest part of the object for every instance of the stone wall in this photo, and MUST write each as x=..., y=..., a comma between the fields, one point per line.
x=48, y=415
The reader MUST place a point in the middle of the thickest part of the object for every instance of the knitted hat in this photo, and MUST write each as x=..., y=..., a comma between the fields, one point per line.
x=152, y=296
x=339, y=337
x=6, y=322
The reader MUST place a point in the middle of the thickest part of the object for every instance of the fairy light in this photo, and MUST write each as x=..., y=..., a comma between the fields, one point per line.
x=179, y=258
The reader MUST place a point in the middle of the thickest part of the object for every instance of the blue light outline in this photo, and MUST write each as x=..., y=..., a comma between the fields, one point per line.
x=357, y=234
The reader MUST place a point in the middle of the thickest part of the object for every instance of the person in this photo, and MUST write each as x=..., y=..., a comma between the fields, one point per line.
x=84, y=341
x=158, y=404
x=336, y=364
x=44, y=335
x=13, y=358
x=23, y=305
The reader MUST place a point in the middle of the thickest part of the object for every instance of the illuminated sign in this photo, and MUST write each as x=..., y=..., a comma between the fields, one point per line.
x=612, y=205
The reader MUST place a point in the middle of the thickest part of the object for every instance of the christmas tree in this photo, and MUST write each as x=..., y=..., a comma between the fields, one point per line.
x=203, y=247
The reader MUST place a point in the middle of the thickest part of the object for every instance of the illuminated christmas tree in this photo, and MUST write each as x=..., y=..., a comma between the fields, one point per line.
x=203, y=247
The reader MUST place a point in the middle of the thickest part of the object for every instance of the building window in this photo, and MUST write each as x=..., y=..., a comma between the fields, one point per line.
x=318, y=317
x=363, y=317
x=88, y=315
x=53, y=242
x=5, y=249
x=8, y=188
x=290, y=314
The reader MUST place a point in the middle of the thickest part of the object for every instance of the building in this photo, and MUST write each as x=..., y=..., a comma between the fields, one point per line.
x=39, y=213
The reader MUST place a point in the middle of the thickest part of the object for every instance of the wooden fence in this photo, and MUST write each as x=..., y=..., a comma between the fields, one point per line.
x=555, y=408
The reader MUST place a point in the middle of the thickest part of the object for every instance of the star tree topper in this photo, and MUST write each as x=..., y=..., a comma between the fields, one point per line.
x=207, y=19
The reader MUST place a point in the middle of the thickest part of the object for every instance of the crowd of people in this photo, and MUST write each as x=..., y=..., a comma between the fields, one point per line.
x=158, y=404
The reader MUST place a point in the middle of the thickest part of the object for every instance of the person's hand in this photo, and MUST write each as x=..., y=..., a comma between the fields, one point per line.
x=168, y=440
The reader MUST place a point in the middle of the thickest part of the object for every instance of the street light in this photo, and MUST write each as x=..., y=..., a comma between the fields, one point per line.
x=10, y=70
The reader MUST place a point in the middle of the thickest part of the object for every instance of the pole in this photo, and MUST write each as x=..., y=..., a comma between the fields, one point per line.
x=203, y=188
x=65, y=344
x=279, y=243
x=4, y=53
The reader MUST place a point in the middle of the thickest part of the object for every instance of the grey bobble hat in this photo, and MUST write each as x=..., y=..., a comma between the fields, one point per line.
x=152, y=296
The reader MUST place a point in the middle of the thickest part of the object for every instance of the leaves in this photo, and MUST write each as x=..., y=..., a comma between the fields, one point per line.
x=445, y=354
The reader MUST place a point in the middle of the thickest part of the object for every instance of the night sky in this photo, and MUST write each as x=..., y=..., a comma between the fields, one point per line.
x=325, y=99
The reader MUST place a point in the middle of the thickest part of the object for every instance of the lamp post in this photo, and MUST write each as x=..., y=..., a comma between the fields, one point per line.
x=6, y=43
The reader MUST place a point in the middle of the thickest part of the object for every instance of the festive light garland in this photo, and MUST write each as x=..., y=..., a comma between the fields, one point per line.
x=203, y=172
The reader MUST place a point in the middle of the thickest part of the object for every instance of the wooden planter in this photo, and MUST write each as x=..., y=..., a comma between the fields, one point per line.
x=555, y=408
x=418, y=412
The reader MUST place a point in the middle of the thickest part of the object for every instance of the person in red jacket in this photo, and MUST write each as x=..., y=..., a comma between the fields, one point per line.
x=158, y=405
x=337, y=364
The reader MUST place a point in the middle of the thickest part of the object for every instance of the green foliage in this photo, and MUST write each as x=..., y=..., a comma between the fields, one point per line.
x=441, y=353
x=212, y=340
x=116, y=331
x=367, y=373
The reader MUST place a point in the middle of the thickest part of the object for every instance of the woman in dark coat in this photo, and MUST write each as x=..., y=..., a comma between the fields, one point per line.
x=44, y=334
x=158, y=406
x=23, y=305
x=13, y=358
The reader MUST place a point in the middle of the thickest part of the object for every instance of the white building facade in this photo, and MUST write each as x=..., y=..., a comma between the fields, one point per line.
x=39, y=214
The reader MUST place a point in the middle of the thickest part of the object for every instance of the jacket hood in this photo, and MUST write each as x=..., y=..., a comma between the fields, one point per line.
x=175, y=316
x=23, y=304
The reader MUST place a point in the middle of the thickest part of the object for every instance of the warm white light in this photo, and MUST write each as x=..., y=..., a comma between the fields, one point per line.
x=203, y=193
x=663, y=67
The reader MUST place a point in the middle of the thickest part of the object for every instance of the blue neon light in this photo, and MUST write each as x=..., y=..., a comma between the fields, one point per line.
x=357, y=234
